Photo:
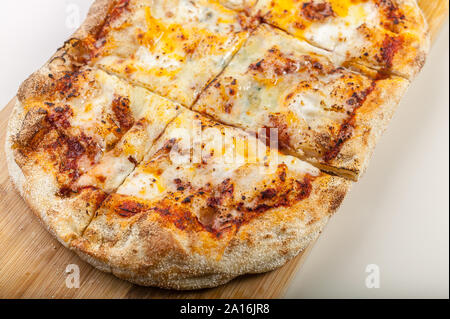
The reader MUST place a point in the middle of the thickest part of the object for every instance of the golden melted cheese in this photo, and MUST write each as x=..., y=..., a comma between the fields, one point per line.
x=280, y=82
x=196, y=150
x=111, y=170
x=215, y=173
x=174, y=47
x=100, y=128
x=356, y=30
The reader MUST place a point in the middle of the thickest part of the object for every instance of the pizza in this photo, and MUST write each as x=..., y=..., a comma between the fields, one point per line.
x=182, y=143
x=324, y=113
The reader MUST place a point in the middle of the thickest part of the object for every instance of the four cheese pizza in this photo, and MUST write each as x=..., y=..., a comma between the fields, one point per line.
x=182, y=143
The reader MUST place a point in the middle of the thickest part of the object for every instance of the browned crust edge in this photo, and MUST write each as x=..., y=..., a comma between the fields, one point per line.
x=64, y=218
x=422, y=31
x=193, y=282
x=256, y=248
x=371, y=121
x=39, y=83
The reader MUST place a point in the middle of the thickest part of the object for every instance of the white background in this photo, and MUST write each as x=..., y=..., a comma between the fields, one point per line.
x=396, y=217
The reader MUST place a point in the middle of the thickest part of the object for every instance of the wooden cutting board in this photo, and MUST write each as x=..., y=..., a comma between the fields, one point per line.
x=33, y=264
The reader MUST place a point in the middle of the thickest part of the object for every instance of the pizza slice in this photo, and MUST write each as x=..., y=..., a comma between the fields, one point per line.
x=65, y=131
x=172, y=47
x=389, y=35
x=323, y=113
x=209, y=203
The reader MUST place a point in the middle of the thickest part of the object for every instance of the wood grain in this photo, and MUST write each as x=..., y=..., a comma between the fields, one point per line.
x=33, y=264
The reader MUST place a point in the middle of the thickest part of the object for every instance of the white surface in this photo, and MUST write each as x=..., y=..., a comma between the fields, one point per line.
x=30, y=33
x=396, y=217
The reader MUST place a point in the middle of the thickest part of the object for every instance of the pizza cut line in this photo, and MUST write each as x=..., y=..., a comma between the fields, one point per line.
x=183, y=143
x=79, y=140
x=387, y=35
x=324, y=113
x=204, y=221
x=161, y=44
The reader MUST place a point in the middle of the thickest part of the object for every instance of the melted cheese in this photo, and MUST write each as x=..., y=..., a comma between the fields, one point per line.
x=143, y=185
x=176, y=46
x=310, y=107
x=152, y=115
x=227, y=154
x=287, y=14
x=341, y=34
x=276, y=84
x=355, y=31
x=238, y=4
x=93, y=107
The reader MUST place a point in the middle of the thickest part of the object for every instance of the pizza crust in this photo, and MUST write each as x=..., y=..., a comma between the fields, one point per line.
x=34, y=190
x=36, y=187
x=371, y=120
x=14, y=125
x=423, y=39
x=196, y=226
x=193, y=278
x=64, y=218
x=166, y=257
